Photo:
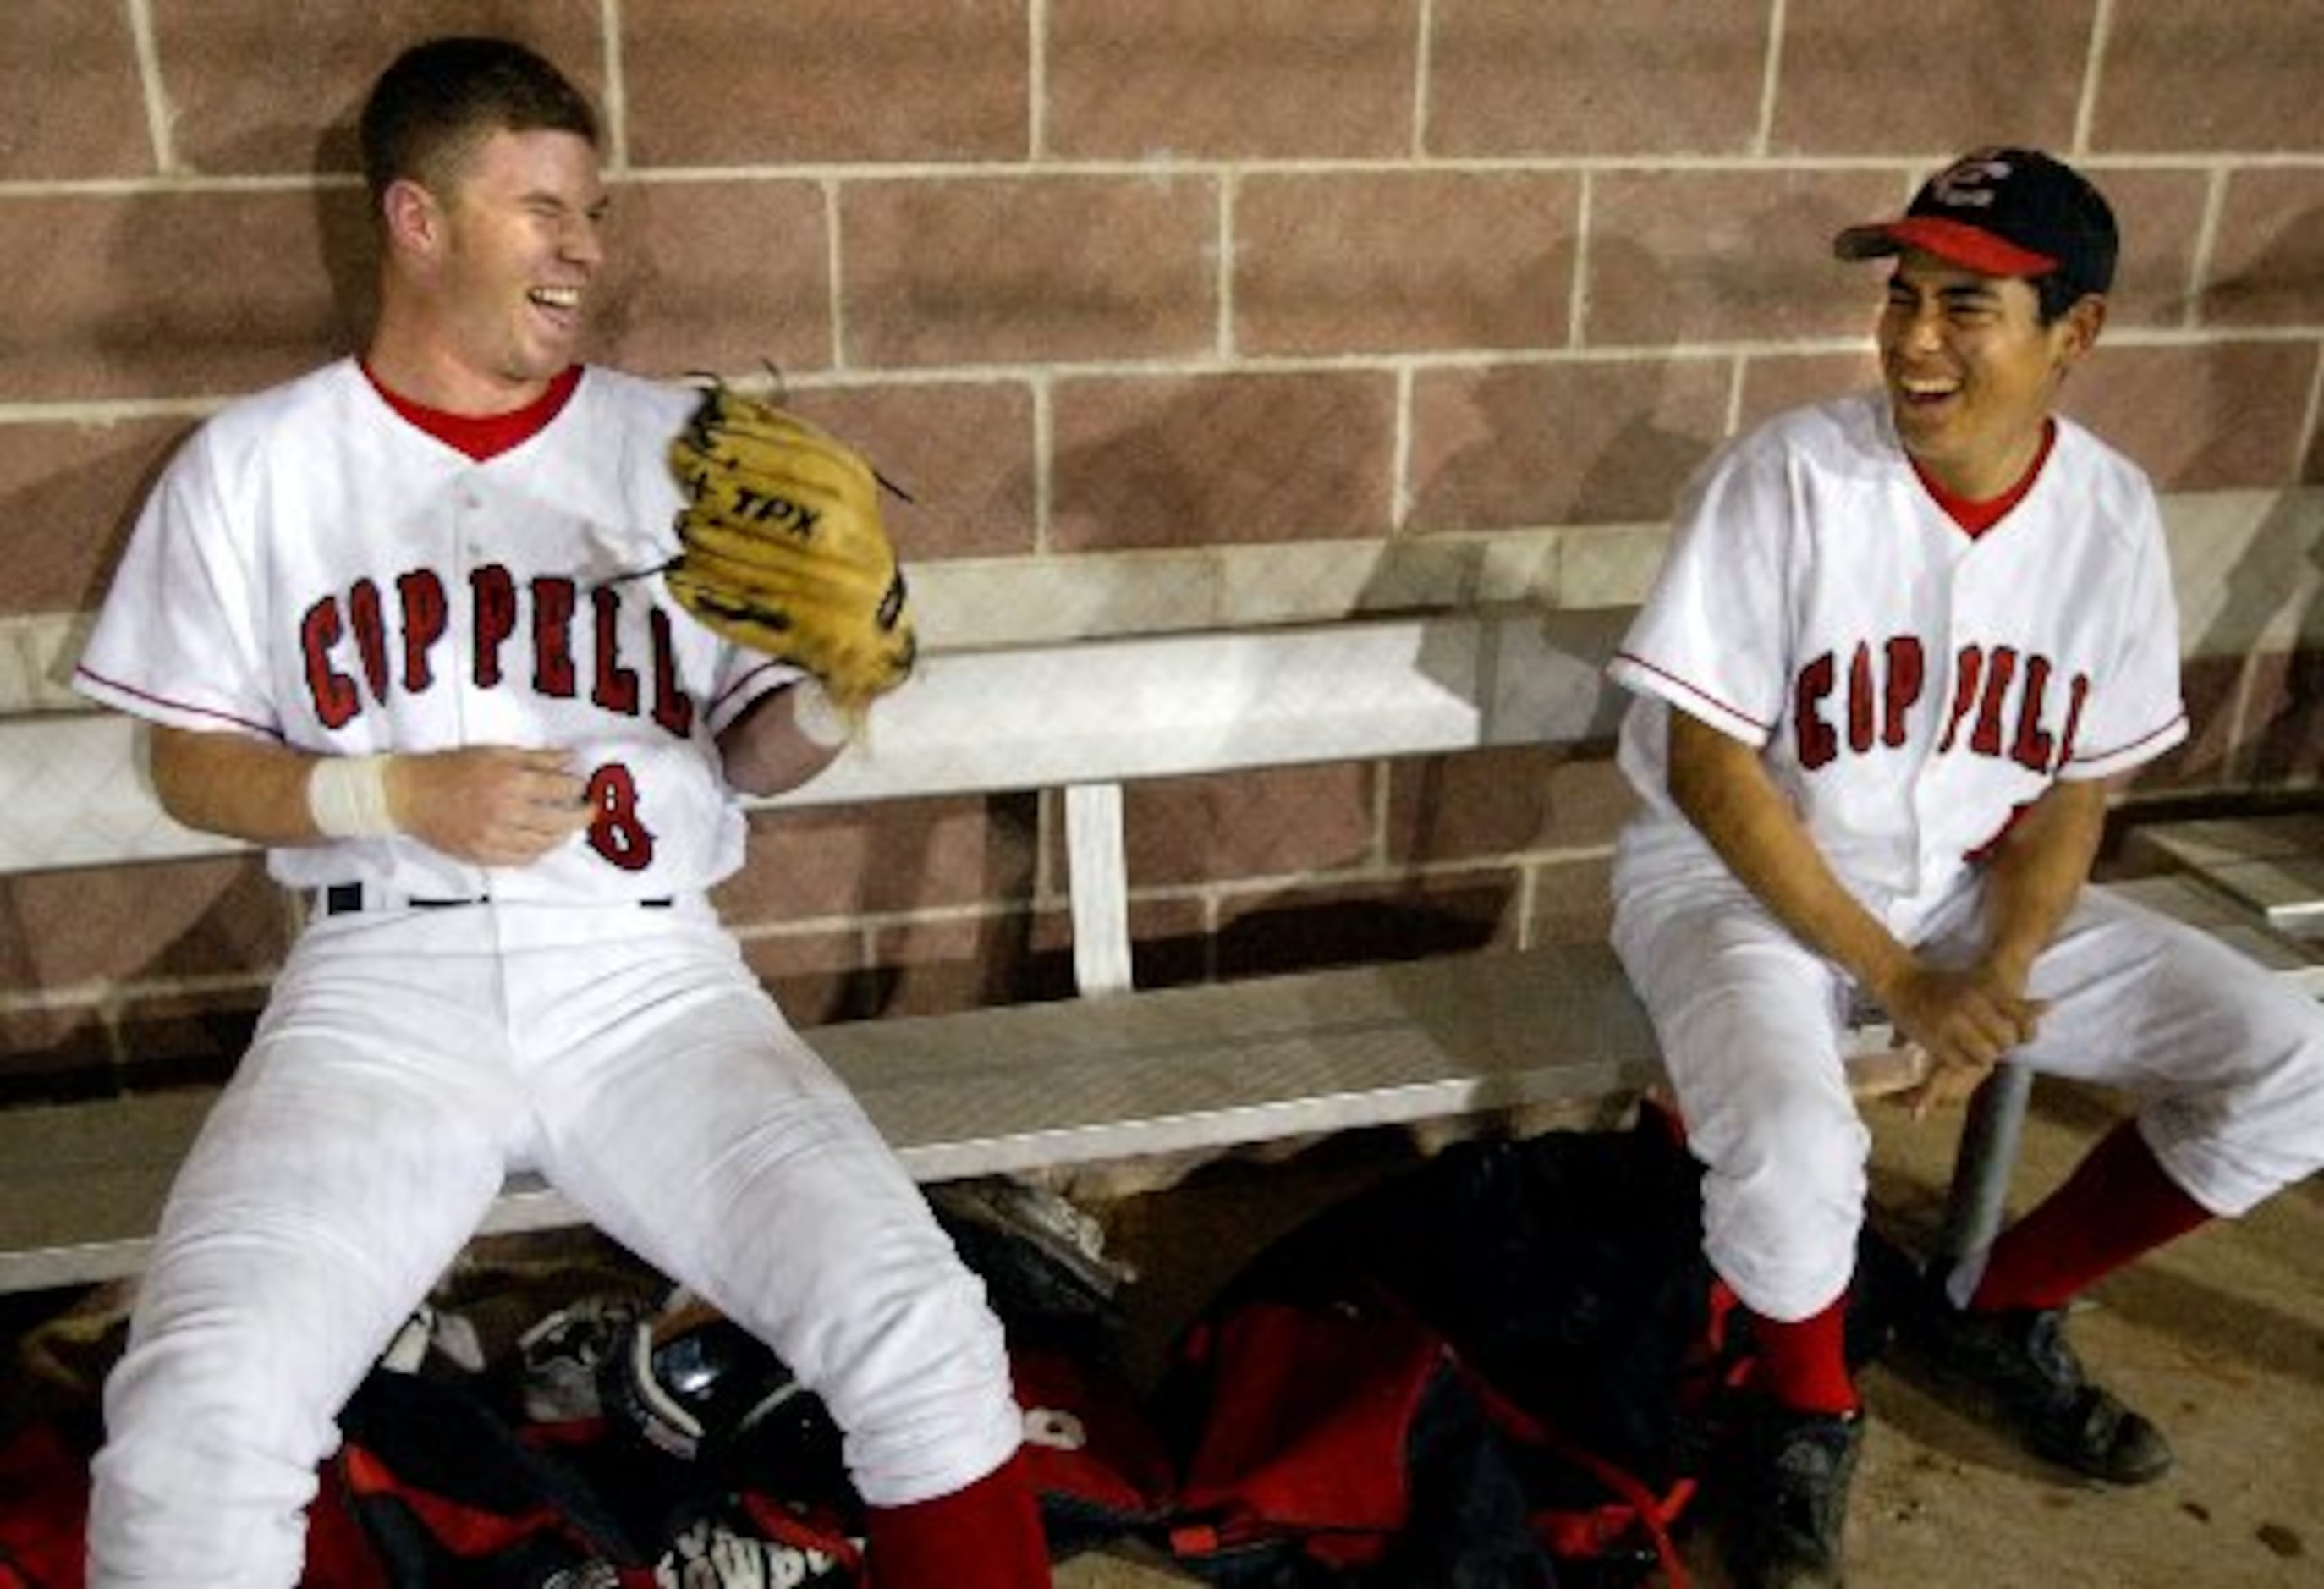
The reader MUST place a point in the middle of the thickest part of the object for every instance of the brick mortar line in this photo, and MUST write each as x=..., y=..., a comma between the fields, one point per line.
x=1738, y=380
x=1424, y=97
x=148, y=47
x=1762, y=136
x=2207, y=239
x=1036, y=79
x=1147, y=170
x=615, y=111
x=1577, y=297
x=834, y=267
x=1045, y=445
x=1402, y=498
x=2093, y=80
x=1553, y=543
x=1229, y=200
x=110, y=411
x=2314, y=428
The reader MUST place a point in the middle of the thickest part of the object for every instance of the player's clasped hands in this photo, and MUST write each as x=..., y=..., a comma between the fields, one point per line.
x=490, y=805
x=1965, y=1022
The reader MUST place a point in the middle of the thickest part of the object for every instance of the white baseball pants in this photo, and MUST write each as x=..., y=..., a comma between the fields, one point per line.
x=2225, y=1062
x=409, y=1059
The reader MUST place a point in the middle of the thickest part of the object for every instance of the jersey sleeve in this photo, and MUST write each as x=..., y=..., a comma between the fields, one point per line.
x=1713, y=638
x=176, y=638
x=745, y=676
x=2135, y=711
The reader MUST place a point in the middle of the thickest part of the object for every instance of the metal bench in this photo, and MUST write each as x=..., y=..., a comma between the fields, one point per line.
x=1115, y=1074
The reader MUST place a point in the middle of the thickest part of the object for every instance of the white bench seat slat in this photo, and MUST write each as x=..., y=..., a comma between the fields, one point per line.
x=1084, y=1081
x=994, y=1091
x=1228, y=1064
x=2194, y=899
x=2274, y=865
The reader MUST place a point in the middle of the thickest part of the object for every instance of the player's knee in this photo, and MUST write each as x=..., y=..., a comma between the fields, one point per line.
x=1793, y=1141
x=2236, y=1144
x=221, y=1379
x=1783, y=1204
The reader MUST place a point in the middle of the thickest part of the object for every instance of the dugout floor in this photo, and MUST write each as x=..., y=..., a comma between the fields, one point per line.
x=2220, y=1338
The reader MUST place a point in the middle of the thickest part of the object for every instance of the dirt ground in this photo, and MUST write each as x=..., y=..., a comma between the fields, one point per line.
x=2220, y=1338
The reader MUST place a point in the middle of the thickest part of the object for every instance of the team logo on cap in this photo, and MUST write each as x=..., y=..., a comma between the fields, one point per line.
x=1967, y=183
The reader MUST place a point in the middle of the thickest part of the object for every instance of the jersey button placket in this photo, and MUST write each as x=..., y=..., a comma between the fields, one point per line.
x=467, y=556
x=1931, y=792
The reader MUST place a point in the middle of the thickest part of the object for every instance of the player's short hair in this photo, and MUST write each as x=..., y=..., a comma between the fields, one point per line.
x=436, y=101
x=2054, y=295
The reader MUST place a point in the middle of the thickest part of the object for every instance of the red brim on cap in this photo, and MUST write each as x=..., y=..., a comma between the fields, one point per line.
x=1950, y=240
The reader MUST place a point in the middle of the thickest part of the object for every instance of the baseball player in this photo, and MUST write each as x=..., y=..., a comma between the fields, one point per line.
x=1901, y=643
x=370, y=618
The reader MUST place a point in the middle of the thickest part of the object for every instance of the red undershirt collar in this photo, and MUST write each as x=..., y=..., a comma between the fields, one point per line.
x=484, y=437
x=1974, y=518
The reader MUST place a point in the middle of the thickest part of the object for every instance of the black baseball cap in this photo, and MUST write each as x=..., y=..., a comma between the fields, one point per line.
x=2003, y=212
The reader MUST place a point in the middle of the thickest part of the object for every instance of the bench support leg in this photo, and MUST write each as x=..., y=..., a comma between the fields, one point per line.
x=1097, y=875
x=1981, y=1168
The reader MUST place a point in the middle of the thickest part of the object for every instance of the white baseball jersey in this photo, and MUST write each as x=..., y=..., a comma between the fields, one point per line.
x=317, y=569
x=1910, y=686
x=314, y=569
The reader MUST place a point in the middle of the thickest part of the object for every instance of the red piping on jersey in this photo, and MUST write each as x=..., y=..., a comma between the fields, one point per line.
x=1974, y=518
x=484, y=437
x=175, y=706
x=1689, y=687
x=2129, y=745
x=744, y=682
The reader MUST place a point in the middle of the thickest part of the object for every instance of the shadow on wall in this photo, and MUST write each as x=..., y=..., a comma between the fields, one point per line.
x=346, y=231
x=2258, y=671
x=91, y=505
x=1576, y=444
x=2275, y=606
x=2276, y=285
x=2274, y=615
x=347, y=263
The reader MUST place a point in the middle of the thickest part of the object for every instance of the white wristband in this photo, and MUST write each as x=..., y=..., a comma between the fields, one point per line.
x=817, y=716
x=347, y=796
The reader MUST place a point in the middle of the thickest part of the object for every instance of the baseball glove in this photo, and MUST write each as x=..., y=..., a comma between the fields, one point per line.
x=781, y=548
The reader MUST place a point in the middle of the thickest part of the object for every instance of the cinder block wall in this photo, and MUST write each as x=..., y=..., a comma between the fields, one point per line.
x=1172, y=314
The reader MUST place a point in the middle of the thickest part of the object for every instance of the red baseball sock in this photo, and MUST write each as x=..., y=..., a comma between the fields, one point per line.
x=2117, y=1205
x=1803, y=1364
x=987, y=1535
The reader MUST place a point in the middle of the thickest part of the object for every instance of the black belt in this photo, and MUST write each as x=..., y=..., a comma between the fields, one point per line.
x=346, y=899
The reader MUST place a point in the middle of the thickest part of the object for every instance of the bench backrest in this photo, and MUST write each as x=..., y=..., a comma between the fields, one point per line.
x=1085, y=717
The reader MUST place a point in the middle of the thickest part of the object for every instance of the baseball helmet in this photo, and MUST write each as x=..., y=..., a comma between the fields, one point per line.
x=697, y=1386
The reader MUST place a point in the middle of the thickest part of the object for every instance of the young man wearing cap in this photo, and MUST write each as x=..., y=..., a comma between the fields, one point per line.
x=1901, y=642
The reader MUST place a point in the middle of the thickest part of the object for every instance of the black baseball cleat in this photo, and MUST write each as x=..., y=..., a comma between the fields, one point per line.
x=1787, y=1496
x=2017, y=1365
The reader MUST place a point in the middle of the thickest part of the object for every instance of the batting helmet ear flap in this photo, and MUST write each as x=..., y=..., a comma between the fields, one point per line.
x=697, y=1386
x=653, y=1409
